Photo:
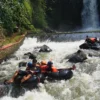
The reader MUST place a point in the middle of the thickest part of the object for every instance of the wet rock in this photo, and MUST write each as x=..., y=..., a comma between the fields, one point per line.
x=79, y=56
x=30, y=55
x=45, y=48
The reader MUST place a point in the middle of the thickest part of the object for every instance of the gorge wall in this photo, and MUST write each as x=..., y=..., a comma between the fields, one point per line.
x=69, y=14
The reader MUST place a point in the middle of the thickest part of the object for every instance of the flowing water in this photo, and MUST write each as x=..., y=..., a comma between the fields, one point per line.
x=90, y=17
x=84, y=85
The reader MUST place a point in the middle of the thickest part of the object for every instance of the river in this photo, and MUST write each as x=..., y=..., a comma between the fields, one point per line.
x=84, y=85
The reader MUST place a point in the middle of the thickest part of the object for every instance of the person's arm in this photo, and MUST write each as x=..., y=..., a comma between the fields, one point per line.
x=72, y=68
x=27, y=68
x=25, y=78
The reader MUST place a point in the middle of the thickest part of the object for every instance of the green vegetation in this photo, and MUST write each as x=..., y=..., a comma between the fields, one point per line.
x=21, y=15
x=39, y=14
x=36, y=15
x=11, y=39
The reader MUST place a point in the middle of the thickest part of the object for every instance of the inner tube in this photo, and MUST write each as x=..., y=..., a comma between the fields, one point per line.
x=31, y=83
x=34, y=80
x=94, y=46
x=63, y=74
x=84, y=46
x=19, y=88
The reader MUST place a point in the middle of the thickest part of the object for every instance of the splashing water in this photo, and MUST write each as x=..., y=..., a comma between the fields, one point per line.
x=83, y=85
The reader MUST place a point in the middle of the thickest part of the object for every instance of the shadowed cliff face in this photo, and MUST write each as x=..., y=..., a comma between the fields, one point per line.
x=68, y=14
x=64, y=12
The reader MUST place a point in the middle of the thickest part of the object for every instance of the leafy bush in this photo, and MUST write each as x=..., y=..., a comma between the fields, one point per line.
x=39, y=15
x=15, y=13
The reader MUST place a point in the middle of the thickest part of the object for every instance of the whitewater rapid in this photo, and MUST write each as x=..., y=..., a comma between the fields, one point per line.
x=84, y=85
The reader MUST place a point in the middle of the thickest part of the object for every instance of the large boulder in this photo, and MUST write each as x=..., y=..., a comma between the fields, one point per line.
x=43, y=48
x=79, y=56
x=30, y=55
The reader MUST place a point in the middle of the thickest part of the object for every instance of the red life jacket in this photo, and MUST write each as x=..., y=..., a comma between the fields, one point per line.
x=43, y=68
x=92, y=39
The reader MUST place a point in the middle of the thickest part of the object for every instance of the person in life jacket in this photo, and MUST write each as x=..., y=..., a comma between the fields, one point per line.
x=30, y=70
x=47, y=67
x=87, y=39
x=50, y=67
x=91, y=40
x=43, y=66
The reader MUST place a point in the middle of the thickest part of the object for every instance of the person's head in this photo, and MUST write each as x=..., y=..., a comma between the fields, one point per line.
x=50, y=63
x=43, y=62
x=87, y=36
x=34, y=61
x=95, y=38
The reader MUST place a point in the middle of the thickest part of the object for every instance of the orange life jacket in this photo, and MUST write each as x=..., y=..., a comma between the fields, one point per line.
x=45, y=67
x=54, y=69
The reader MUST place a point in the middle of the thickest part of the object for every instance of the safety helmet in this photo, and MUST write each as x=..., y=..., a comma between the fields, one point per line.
x=49, y=63
x=43, y=62
x=29, y=64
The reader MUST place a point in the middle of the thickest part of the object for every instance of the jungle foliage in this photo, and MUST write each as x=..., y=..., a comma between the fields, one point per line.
x=66, y=12
x=20, y=15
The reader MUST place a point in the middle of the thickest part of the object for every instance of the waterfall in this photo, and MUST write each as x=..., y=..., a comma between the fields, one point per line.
x=90, y=17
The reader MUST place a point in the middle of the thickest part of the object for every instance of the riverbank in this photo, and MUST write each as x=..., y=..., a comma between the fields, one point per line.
x=9, y=46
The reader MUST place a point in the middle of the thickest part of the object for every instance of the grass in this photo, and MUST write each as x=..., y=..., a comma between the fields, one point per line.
x=12, y=39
